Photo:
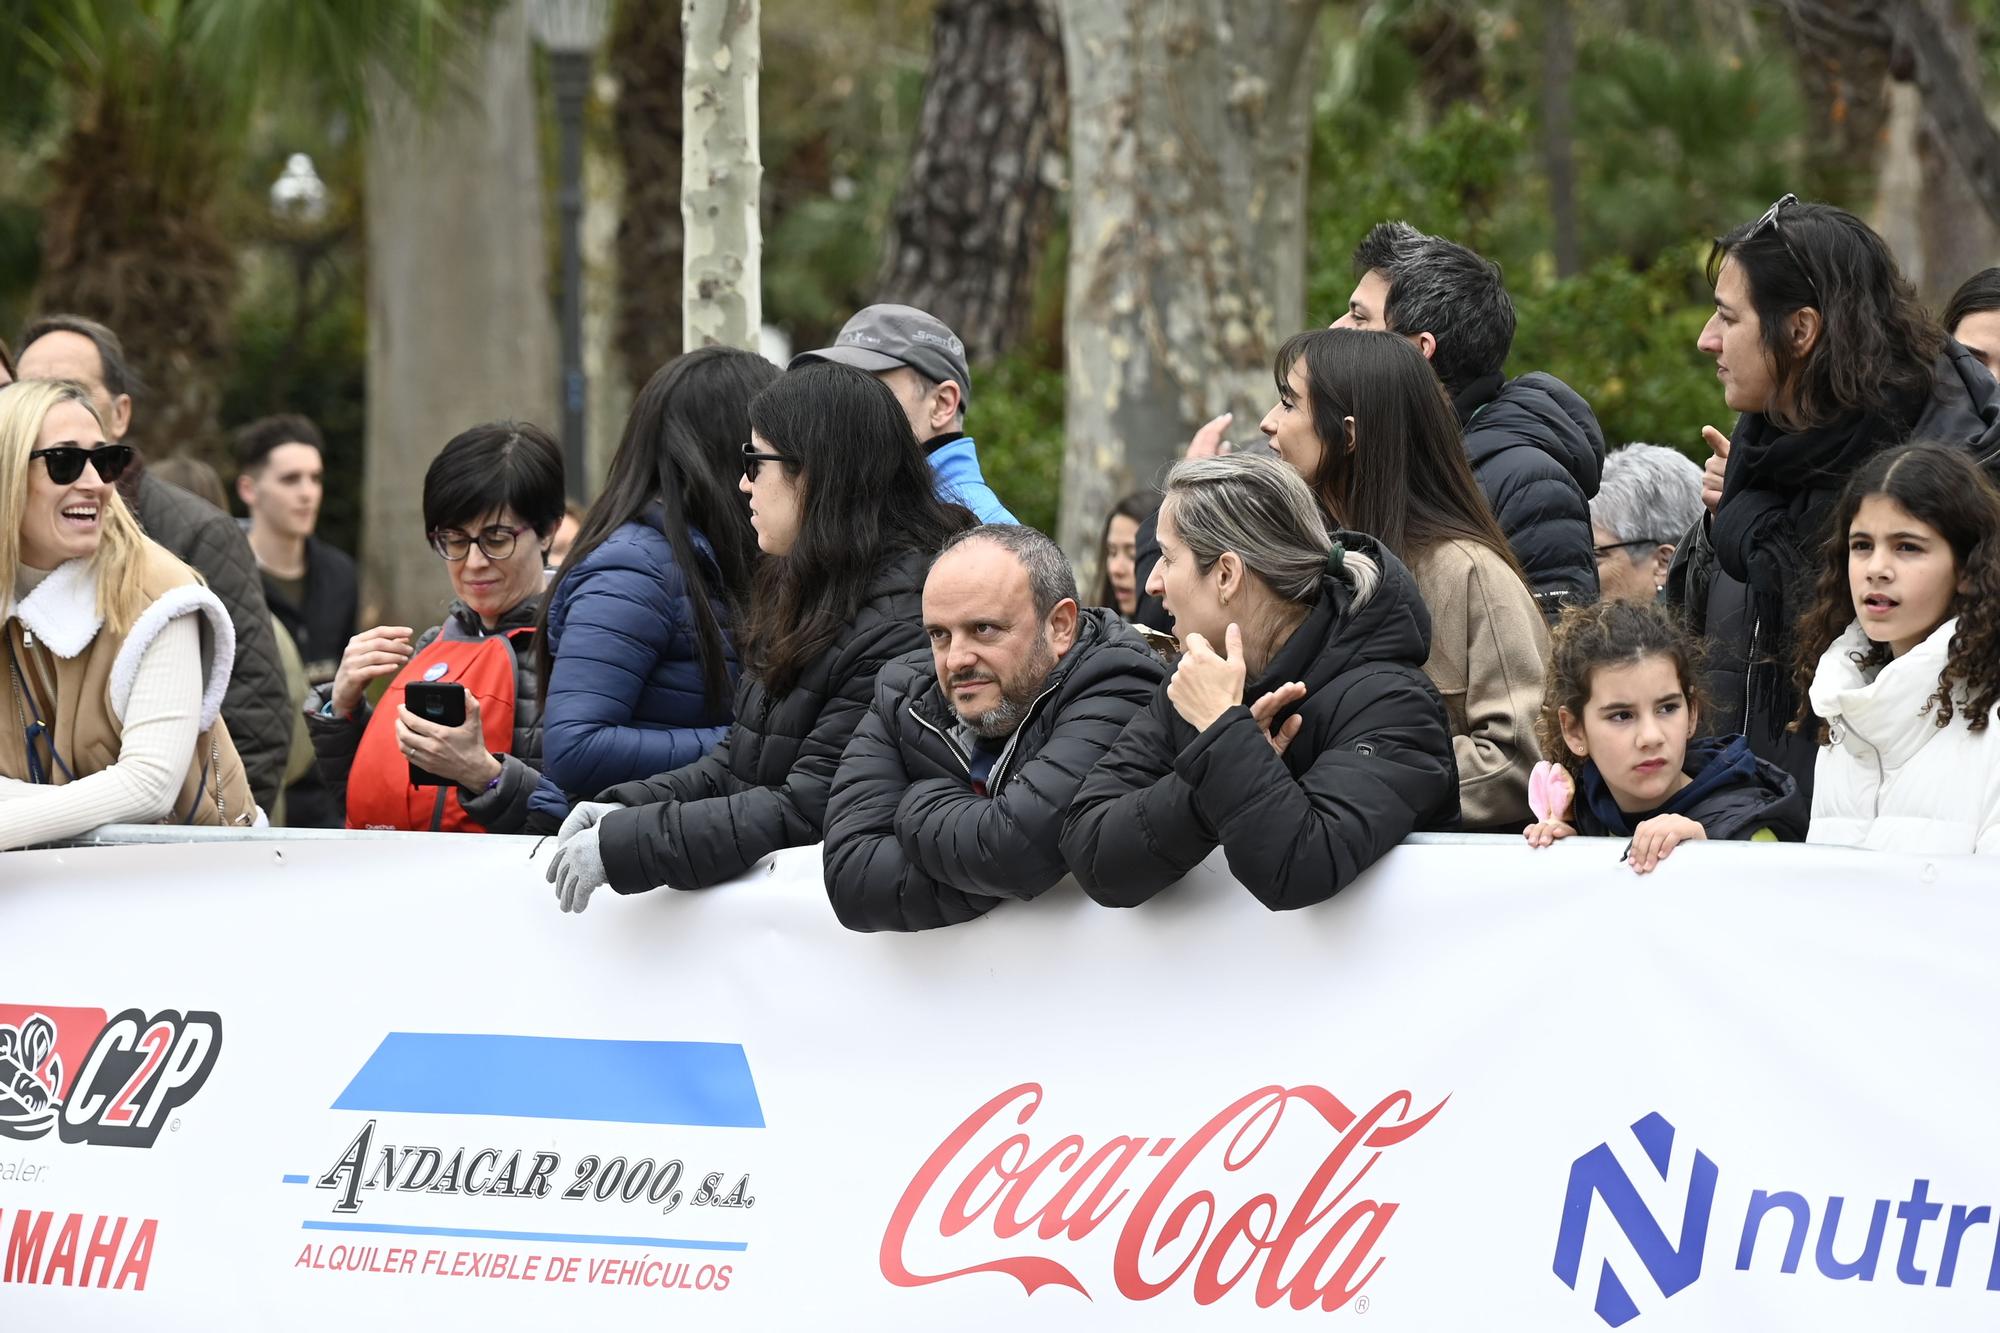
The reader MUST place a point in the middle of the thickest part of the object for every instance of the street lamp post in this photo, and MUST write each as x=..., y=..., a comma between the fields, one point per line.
x=570, y=30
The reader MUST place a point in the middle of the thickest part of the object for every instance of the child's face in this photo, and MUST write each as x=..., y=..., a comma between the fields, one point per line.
x=1901, y=572
x=1635, y=725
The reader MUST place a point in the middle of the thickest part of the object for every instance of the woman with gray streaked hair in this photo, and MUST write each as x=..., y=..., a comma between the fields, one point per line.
x=1299, y=732
x=1649, y=497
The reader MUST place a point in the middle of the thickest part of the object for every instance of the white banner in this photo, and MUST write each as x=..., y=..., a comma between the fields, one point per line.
x=385, y=1083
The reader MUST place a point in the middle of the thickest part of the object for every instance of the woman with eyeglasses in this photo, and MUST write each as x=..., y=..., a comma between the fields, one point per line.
x=116, y=656
x=455, y=743
x=843, y=506
x=638, y=656
x=1828, y=358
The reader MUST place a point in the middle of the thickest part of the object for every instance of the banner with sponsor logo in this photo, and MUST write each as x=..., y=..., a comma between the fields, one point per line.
x=385, y=1083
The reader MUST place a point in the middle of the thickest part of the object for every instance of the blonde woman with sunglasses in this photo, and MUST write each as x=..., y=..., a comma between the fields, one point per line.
x=116, y=656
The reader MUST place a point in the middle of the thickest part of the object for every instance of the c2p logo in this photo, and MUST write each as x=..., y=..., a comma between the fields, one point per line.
x=101, y=1081
x=1597, y=1175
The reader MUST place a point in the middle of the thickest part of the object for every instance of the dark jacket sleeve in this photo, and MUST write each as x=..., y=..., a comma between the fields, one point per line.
x=1009, y=846
x=257, y=705
x=524, y=801
x=335, y=741
x=694, y=843
x=871, y=882
x=1547, y=521
x=1134, y=827
x=615, y=625
x=1385, y=767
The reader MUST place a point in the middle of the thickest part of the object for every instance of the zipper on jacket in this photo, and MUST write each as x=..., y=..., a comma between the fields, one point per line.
x=964, y=761
x=1006, y=754
x=1749, y=670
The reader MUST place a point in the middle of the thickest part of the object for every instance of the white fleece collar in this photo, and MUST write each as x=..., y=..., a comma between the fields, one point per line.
x=62, y=611
x=1887, y=711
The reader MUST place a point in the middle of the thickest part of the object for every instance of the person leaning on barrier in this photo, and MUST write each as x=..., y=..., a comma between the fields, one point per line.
x=492, y=500
x=199, y=535
x=1650, y=496
x=1299, y=732
x=845, y=513
x=117, y=656
x=950, y=798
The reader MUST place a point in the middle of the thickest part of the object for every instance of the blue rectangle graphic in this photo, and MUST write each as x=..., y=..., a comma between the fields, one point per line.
x=558, y=1078
x=562, y=1237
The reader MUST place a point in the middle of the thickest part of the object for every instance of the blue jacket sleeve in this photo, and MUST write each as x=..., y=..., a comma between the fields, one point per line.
x=616, y=626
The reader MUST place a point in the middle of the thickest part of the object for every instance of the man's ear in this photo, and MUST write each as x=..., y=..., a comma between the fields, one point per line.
x=1062, y=625
x=121, y=416
x=246, y=488
x=945, y=406
x=1427, y=343
x=1572, y=729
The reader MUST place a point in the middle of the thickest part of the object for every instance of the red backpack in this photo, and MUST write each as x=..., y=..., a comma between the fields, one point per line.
x=379, y=794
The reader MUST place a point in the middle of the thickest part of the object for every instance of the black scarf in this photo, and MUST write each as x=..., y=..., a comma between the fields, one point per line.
x=1777, y=503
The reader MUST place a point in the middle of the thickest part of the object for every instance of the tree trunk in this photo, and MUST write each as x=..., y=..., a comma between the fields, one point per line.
x=645, y=59
x=966, y=232
x=134, y=241
x=604, y=369
x=1939, y=43
x=1559, y=132
x=721, y=174
x=460, y=328
x=1189, y=140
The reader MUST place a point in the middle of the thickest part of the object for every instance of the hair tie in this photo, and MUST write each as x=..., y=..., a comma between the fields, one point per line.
x=1336, y=560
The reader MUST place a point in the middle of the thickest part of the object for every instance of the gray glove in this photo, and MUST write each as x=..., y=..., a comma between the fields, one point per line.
x=583, y=815
x=577, y=870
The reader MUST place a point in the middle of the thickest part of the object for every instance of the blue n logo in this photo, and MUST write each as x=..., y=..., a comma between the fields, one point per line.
x=1597, y=1174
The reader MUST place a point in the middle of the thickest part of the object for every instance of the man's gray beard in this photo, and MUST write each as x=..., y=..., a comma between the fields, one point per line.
x=1004, y=718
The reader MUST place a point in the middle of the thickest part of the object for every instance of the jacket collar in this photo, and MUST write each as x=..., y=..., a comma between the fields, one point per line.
x=62, y=612
x=522, y=616
x=1887, y=710
x=1467, y=401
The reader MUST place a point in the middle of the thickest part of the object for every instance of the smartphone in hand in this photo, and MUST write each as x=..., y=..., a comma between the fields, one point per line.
x=442, y=702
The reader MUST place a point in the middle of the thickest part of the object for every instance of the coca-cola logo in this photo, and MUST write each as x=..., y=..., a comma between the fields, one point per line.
x=989, y=1192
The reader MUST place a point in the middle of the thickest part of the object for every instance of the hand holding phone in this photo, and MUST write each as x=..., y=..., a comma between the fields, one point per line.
x=443, y=704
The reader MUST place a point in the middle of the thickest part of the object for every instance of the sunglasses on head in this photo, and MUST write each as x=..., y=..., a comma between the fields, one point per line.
x=1770, y=219
x=65, y=461
x=753, y=461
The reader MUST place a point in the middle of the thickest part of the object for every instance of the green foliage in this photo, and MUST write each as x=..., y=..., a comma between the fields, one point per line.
x=1017, y=418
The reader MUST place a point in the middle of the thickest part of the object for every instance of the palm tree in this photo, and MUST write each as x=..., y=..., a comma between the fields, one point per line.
x=158, y=98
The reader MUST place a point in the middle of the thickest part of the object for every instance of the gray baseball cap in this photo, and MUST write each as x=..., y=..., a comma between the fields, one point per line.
x=883, y=337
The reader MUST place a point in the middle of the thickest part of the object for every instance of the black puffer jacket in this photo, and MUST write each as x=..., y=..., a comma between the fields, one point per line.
x=1963, y=410
x=258, y=705
x=1538, y=453
x=909, y=845
x=765, y=786
x=1372, y=763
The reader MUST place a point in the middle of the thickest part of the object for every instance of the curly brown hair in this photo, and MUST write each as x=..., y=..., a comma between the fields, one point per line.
x=1945, y=489
x=1610, y=633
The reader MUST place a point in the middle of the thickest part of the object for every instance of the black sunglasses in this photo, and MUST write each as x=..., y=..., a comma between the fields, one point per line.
x=754, y=461
x=65, y=461
x=1770, y=219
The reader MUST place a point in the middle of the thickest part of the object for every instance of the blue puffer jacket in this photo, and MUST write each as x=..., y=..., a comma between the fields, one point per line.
x=625, y=692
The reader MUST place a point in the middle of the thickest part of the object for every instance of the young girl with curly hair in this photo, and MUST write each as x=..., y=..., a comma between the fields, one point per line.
x=1900, y=655
x=1624, y=699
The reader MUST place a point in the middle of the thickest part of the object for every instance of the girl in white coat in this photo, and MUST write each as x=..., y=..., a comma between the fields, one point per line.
x=1900, y=655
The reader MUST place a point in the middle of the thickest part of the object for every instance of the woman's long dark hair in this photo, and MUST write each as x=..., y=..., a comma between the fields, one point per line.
x=1138, y=506
x=682, y=450
x=1877, y=348
x=1406, y=481
x=1947, y=490
x=866, y=494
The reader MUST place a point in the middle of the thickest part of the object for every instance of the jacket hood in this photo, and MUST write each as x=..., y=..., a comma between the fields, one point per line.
x=1391, y=625
x=1731, y=793
x=1536, y=410
x=1964, y=409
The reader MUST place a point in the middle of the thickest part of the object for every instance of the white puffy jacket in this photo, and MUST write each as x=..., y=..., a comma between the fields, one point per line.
x=1891, y=779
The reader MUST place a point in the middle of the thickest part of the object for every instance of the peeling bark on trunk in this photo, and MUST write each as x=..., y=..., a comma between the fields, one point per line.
x=1559, y=133
x=721, y=175
x=645, y=55
x=460, y=328
x=1188, y=151
x=969, y=222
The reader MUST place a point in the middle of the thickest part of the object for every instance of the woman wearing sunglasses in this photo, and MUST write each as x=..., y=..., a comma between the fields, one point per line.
x=842, y=502
x=455, y=743
x=116, y=656
x=1824, y=351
